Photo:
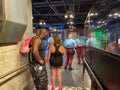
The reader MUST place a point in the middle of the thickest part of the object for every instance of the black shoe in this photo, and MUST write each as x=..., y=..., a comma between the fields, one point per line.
x=70, y=68
x=65, y=67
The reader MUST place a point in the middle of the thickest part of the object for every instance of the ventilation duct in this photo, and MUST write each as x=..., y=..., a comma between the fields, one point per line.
x=13, y=20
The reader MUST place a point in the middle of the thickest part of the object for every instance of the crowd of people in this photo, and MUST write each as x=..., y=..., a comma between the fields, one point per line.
x=54, y=57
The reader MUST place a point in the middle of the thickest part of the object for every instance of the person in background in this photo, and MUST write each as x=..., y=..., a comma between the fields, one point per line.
x=80, y=41
x=70, y=46
x=50, y=40
x=111, y=47
x=118, y=45
x=91, y=41
x=38, y=60
x=55, y=57
x=114, y=47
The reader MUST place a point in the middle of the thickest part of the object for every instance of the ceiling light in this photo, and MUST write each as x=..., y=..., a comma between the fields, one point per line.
x=110, y=15
x=70, y=21
x=91, y=14
x=69, y=14
x=96, y=13
x=42, y=22
x=71, y=27
x=66, y=16
x=116, y=14
x=99, y=22
x=103, y=21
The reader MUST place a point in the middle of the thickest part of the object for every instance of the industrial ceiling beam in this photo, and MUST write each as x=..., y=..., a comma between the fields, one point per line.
x=61, y=14
x=53, y=8
x=60, y=3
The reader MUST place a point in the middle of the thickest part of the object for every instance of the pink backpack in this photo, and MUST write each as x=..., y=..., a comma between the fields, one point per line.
x=25, y=47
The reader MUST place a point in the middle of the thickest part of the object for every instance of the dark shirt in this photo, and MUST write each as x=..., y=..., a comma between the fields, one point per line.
x=41, y=52
x=56, y=58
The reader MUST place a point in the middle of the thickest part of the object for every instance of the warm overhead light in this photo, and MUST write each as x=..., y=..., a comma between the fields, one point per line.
x=88, y=21
x=115, y=13
x=110, y=15
x=70, y=21
x=66, y=16
x=96, y=13
x=71, y=26
x=93, y=14
x=42, y=22
x=118, y=15
x=69, y=14
x=99, y=22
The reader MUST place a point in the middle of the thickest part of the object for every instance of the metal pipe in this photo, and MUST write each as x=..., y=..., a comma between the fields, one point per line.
x=78, y=8
x=64, y=5
x=59, y=3
x=36, y=11
x=53, y=8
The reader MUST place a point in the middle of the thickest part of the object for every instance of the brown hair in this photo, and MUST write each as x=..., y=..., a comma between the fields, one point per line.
x=57, y=40
x=81, y=34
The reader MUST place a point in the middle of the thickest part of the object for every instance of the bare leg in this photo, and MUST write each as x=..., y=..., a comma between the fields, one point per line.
x=59, y=76
x=47, y=87
x=53, y=74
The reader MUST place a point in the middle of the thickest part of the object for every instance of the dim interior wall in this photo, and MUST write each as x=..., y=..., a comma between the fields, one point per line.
x=10, y=59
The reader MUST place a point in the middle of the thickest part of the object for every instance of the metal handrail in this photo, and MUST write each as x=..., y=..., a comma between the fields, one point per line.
x=93, y=75
x=15, y=70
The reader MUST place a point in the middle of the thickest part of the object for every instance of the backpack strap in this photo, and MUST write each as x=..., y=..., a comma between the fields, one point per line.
x=31, y=55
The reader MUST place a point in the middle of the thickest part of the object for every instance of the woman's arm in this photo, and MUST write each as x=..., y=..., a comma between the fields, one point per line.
x=62, y=50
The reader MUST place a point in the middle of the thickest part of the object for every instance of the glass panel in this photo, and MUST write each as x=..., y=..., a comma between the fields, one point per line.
x=106, y=28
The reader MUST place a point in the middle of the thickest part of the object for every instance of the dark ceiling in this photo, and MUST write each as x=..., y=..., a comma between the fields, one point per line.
x=53, y=11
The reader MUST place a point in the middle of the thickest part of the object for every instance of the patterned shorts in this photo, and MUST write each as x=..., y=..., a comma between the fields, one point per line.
x=39, y=75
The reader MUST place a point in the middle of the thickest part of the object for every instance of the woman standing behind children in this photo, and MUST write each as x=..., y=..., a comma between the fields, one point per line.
x=55, y=57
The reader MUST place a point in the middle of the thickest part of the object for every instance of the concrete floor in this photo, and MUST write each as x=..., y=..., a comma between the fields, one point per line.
x=73, y=79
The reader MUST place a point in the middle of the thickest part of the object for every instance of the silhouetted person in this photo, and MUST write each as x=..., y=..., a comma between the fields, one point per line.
x=50, y=40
